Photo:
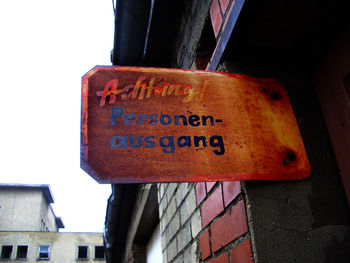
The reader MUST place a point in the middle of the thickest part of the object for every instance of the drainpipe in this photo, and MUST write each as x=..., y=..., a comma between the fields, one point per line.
x=132, y=22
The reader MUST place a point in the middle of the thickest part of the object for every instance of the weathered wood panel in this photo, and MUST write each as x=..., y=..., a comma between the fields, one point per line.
x=163, y=125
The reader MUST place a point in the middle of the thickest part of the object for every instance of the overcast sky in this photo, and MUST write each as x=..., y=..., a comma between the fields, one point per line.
x=45, y=48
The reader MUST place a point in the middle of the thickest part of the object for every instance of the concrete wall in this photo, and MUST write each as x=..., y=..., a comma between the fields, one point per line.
x=303, y=221
x=47, y=215
x=299, y=221
x=20, y=209
x=25, y=210
x=63, y=246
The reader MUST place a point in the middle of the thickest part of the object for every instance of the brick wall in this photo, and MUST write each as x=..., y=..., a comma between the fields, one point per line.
x=204, y=32
x=204, y=222
x=191, y=26
x=219, y=11
x=225, y=236
x=180, y=222
x=302, y=221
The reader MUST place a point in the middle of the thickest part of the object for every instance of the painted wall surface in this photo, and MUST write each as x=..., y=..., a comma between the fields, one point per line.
x=63, y=247
x=24, y=210
x=47, y=216
x=154, y=249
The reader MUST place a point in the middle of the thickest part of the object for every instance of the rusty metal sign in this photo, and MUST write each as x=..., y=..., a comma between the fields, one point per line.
x=143, y=125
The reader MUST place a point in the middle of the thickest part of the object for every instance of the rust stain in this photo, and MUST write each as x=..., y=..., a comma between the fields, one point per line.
x=166, y=125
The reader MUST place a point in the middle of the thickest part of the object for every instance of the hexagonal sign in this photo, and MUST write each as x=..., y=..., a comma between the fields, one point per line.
x=142, y=125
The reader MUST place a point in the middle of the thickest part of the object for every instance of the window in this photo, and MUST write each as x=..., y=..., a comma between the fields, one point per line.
x=6, y=252
x=44, y=252
x=22, y=252
x=99, y=252
x=82, y=252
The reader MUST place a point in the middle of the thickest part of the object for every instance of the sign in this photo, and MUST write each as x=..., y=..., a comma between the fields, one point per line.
x=142, y=125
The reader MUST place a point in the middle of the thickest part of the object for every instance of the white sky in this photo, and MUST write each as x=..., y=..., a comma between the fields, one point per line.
x=45, y=48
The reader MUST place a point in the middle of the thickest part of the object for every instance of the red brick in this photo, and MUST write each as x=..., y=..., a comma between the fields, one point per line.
x=215, y=16
x=210, y=186
x=205, y=245
x=242, y=253
x=229, y=227
x=224, y=5
x=217, y=50
x=212, y=207
x=200, y=192
x=207, y=68
x=220, y=259
x=229, y=13
x=231, y=190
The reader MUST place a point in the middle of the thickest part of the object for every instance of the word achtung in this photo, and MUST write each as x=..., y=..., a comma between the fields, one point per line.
x=141, y=90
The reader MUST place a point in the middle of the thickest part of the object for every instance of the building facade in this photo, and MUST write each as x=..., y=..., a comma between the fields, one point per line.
x=29, y=229
x=303, y=45
x=27, y=208
x=59, y=247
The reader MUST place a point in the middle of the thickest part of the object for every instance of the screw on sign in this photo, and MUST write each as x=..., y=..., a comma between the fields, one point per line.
x=142, y=125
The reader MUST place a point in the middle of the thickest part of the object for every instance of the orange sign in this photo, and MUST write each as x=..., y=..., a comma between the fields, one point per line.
x=143, y=125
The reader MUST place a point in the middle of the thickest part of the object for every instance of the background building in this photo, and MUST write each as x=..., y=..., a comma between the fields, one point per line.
x=303, y=45
x=27, y=208
x=51, y=246
x=29, y=229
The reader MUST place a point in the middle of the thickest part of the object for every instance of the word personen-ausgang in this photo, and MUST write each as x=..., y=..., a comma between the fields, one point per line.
x=168, y=143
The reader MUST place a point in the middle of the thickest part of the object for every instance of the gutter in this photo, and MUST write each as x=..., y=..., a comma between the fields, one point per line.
x=132, y=22
x=132, y=26
x=119, y=212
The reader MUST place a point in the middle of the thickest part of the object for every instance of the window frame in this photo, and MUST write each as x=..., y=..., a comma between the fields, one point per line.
x=104, y=254
x=18, y=249
x=2, y=252
x=48, y=252
x=87, y=253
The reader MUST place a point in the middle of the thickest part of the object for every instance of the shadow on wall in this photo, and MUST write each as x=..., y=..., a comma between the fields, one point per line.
x=338, y=249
